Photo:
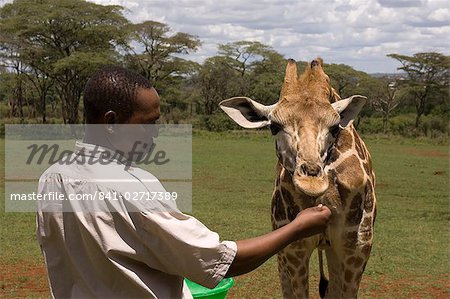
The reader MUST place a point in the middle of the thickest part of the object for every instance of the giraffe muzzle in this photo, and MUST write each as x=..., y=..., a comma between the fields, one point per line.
x=310, y=179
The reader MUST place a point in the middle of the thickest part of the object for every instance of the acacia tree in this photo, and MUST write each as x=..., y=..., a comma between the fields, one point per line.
x=155, y=52
x=216, y=82
x=426, y=72
x=241, y=57
x=66, y=41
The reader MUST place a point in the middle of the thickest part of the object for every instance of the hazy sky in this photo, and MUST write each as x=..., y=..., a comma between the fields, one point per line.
x=355, y=32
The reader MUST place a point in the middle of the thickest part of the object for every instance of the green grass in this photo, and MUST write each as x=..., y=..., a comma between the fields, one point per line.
x=233, y=175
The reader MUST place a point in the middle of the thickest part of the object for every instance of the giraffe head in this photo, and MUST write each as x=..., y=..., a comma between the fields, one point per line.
x=305, y=122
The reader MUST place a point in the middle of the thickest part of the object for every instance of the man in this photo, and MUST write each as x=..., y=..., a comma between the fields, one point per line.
x=112, y=252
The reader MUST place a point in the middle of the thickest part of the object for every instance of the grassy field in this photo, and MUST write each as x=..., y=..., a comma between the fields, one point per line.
x=233, y=178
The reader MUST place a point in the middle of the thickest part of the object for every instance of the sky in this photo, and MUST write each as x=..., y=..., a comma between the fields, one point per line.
x=359, y=33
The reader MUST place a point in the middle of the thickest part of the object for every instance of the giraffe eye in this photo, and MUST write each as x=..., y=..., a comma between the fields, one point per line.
x=334, y=130
x=275, y=128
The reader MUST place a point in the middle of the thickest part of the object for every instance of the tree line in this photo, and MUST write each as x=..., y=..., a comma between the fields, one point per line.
x=49, y=48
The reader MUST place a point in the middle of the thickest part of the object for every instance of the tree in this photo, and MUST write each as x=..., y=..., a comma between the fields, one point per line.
x=344, y=78
x=426, y=72
x=243, y=54
x=387, y=99
x=65, y=42
x=241, y=57
x=267, y=77
x=242, y=68
x=156, y=51
x=216, y=82
x=10, y=45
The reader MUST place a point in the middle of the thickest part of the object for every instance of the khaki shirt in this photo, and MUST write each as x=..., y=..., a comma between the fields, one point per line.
x=122, y=254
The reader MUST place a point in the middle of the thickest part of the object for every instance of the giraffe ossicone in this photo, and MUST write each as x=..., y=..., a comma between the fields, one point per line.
x=321, y=160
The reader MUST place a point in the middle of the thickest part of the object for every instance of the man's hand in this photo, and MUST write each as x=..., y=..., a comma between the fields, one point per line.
x=253, y=252
x=312, y=221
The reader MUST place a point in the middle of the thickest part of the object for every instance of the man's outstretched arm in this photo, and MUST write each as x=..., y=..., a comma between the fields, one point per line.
x=251, y=253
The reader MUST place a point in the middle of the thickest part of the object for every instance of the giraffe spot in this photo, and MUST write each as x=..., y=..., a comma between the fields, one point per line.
x=292, y=212
x=350, y=172
x=354, y=216
x=368, y=202
x=286, y=195
x=350, y=239
x=366, y=236
x=366, y=224
x=301, y=270
x=295, y=284
x=292, y=208
x=358, y=262
x=350, y=260
x=356, y=202
x=291, y=258
x=366, y=250
x=305, y=280
x=344, y=141
x=366, y=167
x=359, y=148
x=348, y=275
x=343, y=193
x=352, y=290
x=300, y=254
x=333, y=155
x=291, y=270
x=278, y=209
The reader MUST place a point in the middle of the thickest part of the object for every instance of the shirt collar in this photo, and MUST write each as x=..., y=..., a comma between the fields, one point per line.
x=100, y=152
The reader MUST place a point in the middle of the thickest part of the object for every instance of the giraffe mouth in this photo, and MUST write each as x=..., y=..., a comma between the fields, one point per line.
x=310, y=185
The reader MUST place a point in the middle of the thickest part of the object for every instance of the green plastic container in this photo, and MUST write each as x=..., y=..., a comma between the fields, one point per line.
x=219, y=292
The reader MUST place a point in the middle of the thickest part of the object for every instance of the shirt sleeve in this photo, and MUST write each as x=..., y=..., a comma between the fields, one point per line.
x=179, y=244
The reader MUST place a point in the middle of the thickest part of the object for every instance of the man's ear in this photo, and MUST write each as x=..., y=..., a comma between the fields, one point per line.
x=246, y=112
x=109, y=119
x=349, y=108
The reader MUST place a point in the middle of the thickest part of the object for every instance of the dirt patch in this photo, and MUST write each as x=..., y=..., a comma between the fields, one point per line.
x=413, y=287
x=23, y=280
x=30, y=280
x=425, y=153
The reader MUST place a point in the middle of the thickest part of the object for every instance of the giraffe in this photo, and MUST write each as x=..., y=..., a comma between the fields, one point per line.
x=321, y=160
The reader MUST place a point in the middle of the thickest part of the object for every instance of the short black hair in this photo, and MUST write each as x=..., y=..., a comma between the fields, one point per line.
x=112, y=88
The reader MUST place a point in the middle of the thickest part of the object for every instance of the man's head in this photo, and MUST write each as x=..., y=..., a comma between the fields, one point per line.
x=116, y=95
x=120, y=107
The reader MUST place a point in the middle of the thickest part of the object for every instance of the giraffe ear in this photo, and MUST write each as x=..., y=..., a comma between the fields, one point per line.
x=349, y=108
x=246, y=112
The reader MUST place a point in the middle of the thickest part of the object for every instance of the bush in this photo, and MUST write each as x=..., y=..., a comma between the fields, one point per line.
x=430, y=126
x=434, y=126
x=216, y=122
x=370, y=125
x=175, y=116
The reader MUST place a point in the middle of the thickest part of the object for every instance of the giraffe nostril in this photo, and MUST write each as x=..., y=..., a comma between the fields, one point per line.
x=310, y=169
